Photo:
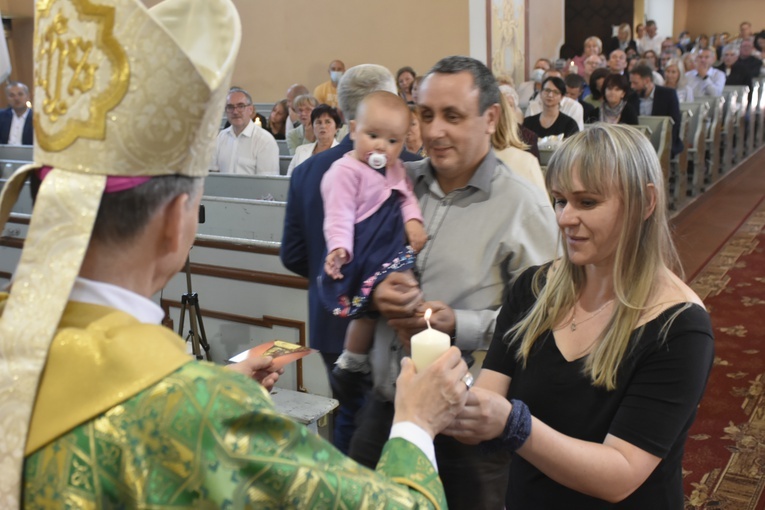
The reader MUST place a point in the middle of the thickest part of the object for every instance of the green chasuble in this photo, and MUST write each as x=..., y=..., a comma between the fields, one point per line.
x=205, y=437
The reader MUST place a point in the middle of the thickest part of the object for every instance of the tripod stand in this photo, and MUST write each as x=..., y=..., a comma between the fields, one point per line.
x=196, y=335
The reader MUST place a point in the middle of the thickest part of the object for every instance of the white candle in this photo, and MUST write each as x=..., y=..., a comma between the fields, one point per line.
x=428, y=345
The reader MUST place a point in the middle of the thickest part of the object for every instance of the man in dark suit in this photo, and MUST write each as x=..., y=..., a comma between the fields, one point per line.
x=303, y=246
x=735, y=71
x=652, y=99
x=16, y=121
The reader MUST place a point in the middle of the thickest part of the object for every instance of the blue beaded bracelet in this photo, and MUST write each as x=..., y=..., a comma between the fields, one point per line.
x=516, y=432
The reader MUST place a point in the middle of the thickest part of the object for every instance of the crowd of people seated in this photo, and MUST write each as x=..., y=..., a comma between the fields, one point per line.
x=560, y=97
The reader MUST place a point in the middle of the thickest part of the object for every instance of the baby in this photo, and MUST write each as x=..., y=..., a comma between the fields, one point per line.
x=370, y=213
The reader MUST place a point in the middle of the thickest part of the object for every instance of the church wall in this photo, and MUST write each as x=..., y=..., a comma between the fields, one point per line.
x=294, y=41
x=711, y=16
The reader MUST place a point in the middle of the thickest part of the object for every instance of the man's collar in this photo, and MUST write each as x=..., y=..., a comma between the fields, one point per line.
x=23, y=115
x=481, y=178
x=247, y=131
x=105, y=294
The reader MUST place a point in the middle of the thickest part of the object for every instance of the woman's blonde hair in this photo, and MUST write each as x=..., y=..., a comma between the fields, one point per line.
x=682, y=81
x=507, y=133
x=607, y=159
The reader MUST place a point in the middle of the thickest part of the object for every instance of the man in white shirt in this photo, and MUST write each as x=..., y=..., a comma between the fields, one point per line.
x=651, y=40
x=244, y=148
x=569, y=106
x=16, y=121
x=705, y=80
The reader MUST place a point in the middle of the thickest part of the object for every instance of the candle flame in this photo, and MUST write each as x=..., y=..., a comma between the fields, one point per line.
x=257, y=121
x=428, y=313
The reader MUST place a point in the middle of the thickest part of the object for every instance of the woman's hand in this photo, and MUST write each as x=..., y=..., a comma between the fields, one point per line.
x=483, y=418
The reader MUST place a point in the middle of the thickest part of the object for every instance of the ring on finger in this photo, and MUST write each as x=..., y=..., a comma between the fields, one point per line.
x=468, y=380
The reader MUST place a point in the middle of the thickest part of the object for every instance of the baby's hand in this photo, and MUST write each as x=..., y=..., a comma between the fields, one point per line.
x=415, y=232
x=334, y=261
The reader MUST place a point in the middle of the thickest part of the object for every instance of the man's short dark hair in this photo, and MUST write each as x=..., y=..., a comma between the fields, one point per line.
x=124, y=214
x=643, y=70
x=488, y=90
x=329, y=110
x=574, y=81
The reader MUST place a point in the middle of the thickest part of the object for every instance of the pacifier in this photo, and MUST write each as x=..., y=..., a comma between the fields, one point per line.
x=376, y=160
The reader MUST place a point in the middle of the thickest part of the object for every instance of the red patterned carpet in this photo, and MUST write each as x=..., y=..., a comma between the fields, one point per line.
x=724, y=465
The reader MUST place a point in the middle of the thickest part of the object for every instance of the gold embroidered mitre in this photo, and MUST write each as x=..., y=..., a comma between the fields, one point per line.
x=119, y=91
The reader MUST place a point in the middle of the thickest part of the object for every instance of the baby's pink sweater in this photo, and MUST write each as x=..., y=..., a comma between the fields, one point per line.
x=352, y=192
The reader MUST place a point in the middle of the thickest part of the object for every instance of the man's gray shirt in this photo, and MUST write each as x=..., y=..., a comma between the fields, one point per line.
x=480, y=238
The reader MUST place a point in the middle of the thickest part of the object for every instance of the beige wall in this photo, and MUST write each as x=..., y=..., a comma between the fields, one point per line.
x=681, y=17
x=16, y=8
x=294, y=41
x=546, y=26
x=711, y=16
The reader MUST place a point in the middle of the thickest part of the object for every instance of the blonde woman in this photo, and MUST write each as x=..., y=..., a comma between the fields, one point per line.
x=511, y=150
x=592, y=46
x=600, y=358
x=674, y=78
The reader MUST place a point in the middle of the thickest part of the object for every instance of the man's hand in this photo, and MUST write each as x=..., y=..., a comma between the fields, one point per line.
x=397, y=295
x=433, y=398
x=442, y=319
x=260, y=368
x=416, y=234
x=334, y=261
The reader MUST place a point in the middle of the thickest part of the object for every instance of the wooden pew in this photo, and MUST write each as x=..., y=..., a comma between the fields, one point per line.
x=727, y=133
x=696, y=146
x=284, y=150
x=264, y=108
x=661, y=139
x=739, y=120
x=241, y=218
x=284, y=164
x=759, y=122
x=751, y=117
x=257, y=187
x=714, y=139
x=679, y=164
x=13, y=157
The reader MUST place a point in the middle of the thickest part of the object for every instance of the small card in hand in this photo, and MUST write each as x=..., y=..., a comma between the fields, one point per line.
x=283, y=352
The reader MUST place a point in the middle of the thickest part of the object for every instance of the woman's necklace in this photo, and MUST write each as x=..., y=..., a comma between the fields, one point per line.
x=573, y=315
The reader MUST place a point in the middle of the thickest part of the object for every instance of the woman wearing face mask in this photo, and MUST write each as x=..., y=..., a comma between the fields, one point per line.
x=614, y=109
x=325, y=122
x=551, y=122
